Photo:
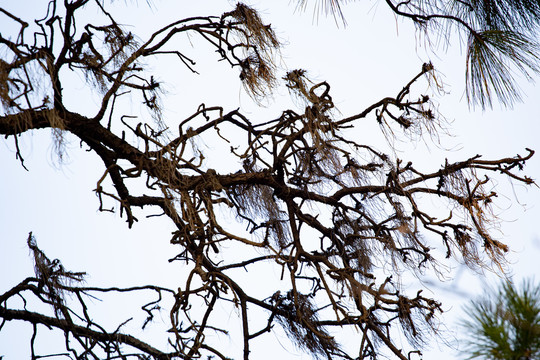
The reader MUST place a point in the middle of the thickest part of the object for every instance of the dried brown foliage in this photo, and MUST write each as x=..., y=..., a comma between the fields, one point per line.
x=335, y=216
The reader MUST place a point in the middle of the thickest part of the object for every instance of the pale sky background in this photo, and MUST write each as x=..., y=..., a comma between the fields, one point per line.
x=373, y=57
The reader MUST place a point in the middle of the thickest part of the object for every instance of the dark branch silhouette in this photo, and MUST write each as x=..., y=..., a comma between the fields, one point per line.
x=333, y=215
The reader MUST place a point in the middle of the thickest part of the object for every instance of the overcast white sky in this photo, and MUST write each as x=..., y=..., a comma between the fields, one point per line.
x=371, y=58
